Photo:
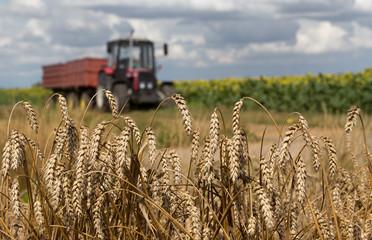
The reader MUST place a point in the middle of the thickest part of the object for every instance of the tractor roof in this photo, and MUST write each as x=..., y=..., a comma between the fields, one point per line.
x=142, y=40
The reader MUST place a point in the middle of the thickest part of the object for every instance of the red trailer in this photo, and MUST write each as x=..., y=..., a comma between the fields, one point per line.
x=78, y=79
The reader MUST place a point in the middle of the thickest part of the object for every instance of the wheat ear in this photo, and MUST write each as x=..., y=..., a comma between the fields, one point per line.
x=236, y=116
x=352, y=115
x=137, y=133
x=7, y=153
x=112, y=102
x=286, y=143
x=152, y=144
x=332, y=156
x=122, y=161
x=78, y=189
x=14, y=198
x=265, y=207
x=301, y=180
x=64, y=110
x=17, y=143
x=184, y=111
x=30, y=112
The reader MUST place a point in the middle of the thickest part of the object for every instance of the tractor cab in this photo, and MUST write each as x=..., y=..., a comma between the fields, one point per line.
x=128, y=57
x=130, y=72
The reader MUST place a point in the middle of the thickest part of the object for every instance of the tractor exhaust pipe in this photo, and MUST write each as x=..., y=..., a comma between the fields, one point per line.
x=130, y=50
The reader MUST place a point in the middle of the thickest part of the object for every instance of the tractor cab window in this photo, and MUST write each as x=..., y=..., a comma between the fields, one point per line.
x=142, y=56
x=113, y=55
x=147, y=57
x=124, y=53
x=136, y=54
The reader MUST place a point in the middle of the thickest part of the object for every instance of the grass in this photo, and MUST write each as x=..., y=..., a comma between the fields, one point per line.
x=224, y=173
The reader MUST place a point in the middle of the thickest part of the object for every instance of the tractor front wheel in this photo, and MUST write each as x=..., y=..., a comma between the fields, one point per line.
x=121, y=96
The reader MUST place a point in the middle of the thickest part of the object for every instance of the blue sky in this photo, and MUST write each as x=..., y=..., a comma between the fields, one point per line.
x=206, y=38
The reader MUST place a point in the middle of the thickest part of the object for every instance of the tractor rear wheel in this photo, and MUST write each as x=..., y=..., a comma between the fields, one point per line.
x=167, y=90
x=101, y=100
x=120, y=92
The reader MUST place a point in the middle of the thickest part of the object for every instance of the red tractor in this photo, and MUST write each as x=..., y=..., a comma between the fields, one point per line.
x=129, y=73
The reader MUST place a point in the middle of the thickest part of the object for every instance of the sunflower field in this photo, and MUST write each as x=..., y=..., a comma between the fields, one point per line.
x=331, y=92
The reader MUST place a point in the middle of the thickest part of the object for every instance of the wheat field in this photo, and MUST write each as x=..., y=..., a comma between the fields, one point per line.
x=114, y=181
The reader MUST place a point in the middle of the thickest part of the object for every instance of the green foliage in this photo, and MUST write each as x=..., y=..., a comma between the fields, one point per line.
x=334, y=92
x=36, y=95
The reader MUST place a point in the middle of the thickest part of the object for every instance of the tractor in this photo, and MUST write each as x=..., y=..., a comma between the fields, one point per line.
x=130, y=74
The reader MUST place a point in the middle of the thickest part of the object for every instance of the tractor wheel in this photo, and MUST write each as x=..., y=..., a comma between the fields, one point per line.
x=167, y=90
x=101, y=100
x=84, y=100
x=121, y=96
x=72, y=100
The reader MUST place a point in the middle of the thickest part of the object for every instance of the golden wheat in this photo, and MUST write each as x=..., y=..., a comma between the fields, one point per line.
x=120, y=184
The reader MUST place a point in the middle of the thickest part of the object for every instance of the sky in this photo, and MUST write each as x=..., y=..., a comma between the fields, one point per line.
x=206, y=38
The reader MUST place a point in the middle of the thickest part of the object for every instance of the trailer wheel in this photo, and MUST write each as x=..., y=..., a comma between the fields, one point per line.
x=84, y=100
x=72, y=100
x=121, y=96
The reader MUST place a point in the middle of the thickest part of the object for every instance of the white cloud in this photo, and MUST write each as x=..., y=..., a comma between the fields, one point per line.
x=270, y=47
x=251, y=7
x=35, y=4
x=221, y=56
x=196, y=39
x=28, y=7
x=362, y=36
x=156, y=30
x=177, y=51
x=319, y=37
x=363, y=5
x=5, y=41
x=38, y=28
